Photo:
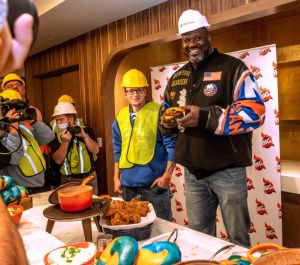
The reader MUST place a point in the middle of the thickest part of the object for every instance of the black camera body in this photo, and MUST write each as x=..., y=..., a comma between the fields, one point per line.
x=21, y=106
x=74, y=129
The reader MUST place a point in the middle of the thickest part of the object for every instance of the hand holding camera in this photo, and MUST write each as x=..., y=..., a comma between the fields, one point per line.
x=20, y=106
x=74, y=130
x=66, y=136
x=13, y=115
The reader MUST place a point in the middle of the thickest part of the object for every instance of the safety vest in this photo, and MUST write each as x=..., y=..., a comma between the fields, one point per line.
x=33, y=162
x=77, y=160
x=139, y=141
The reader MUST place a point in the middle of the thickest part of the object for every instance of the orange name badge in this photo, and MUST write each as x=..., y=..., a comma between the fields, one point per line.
x=212, y=76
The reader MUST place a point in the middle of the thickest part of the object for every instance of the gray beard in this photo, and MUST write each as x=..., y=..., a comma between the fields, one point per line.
x=195, y=60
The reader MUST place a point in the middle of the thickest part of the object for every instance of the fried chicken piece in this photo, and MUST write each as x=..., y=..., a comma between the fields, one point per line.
x=123, y=212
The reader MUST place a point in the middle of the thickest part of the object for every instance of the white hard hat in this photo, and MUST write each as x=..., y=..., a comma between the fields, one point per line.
x=64, y=108
x=191, y=20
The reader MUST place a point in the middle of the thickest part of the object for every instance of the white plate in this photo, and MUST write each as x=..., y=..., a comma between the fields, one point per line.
x=148, y=219
x=194, y=247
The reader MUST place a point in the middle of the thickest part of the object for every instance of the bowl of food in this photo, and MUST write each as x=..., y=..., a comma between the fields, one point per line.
x=81, y=253
x=15, y=212
x=133, y=218
x=73, y=196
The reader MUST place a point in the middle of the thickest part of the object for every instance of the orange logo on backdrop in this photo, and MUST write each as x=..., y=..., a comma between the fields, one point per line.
x=255, y=71
x=270, y=232
x=260, y=208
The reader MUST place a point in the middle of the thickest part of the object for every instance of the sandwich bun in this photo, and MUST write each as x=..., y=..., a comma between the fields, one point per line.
x=174, y=113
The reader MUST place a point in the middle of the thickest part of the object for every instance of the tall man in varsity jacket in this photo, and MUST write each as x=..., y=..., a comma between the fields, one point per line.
x=143, y=156
x=222, y=107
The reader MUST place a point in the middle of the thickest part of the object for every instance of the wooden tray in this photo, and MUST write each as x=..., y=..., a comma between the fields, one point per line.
x=53, y=212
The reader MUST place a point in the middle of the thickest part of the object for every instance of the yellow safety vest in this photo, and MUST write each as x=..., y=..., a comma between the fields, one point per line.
x=77, y=160
x=33, y=162
x=139, y=141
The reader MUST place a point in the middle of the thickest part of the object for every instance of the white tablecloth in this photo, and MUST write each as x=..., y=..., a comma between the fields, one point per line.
x=37, y=242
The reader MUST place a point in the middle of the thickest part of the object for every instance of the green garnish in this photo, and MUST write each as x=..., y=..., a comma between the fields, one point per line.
x=70, y=252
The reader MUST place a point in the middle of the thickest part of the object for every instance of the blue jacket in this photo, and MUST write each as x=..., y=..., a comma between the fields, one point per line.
x=144, y=175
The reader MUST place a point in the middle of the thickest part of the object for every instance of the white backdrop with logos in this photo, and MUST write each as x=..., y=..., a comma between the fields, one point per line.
x=263, y=177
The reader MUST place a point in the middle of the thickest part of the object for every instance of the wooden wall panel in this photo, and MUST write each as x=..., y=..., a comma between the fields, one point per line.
x=91, y=51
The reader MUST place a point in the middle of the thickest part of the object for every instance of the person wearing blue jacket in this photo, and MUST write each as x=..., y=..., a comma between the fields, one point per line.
x=144, y=158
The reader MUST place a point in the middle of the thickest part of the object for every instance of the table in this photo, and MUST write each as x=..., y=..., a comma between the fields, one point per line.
x=38, y=242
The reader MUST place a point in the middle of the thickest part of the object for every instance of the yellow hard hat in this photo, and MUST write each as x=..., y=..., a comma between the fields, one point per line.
x=66, y=98
x=63, y=108
x=12, y=77
x=11, y=94
x=134, y=78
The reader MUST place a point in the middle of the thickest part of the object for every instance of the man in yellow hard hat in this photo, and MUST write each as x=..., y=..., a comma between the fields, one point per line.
x=143, y=157
x=13, y=81
x=10, y=139
x=29, y=171
x=74, y=148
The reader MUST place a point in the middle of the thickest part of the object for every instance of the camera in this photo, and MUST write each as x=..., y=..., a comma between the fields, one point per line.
x=22, y=106
x=74, y=129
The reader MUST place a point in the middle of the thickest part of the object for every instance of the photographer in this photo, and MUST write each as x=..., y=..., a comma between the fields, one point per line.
x=74, y=148
x=10, y=139
x=29, y=172
x=13, y=81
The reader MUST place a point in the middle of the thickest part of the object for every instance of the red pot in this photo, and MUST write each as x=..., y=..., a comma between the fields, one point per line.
x=75, y=198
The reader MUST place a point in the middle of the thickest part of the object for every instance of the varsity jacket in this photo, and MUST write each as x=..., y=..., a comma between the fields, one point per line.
x=231, y=107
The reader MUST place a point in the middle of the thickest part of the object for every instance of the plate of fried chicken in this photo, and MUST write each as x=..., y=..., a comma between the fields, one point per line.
x=127, y=215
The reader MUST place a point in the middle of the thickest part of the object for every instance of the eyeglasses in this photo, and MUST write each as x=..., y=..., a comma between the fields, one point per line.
x=12, y=85
x=130, y=92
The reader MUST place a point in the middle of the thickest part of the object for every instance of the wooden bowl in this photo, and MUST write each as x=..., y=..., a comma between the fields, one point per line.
x=15, y=212
x=281, y=257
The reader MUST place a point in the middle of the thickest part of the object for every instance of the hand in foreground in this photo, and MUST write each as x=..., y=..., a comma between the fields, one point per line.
x=14, y=51
x=191, y=118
